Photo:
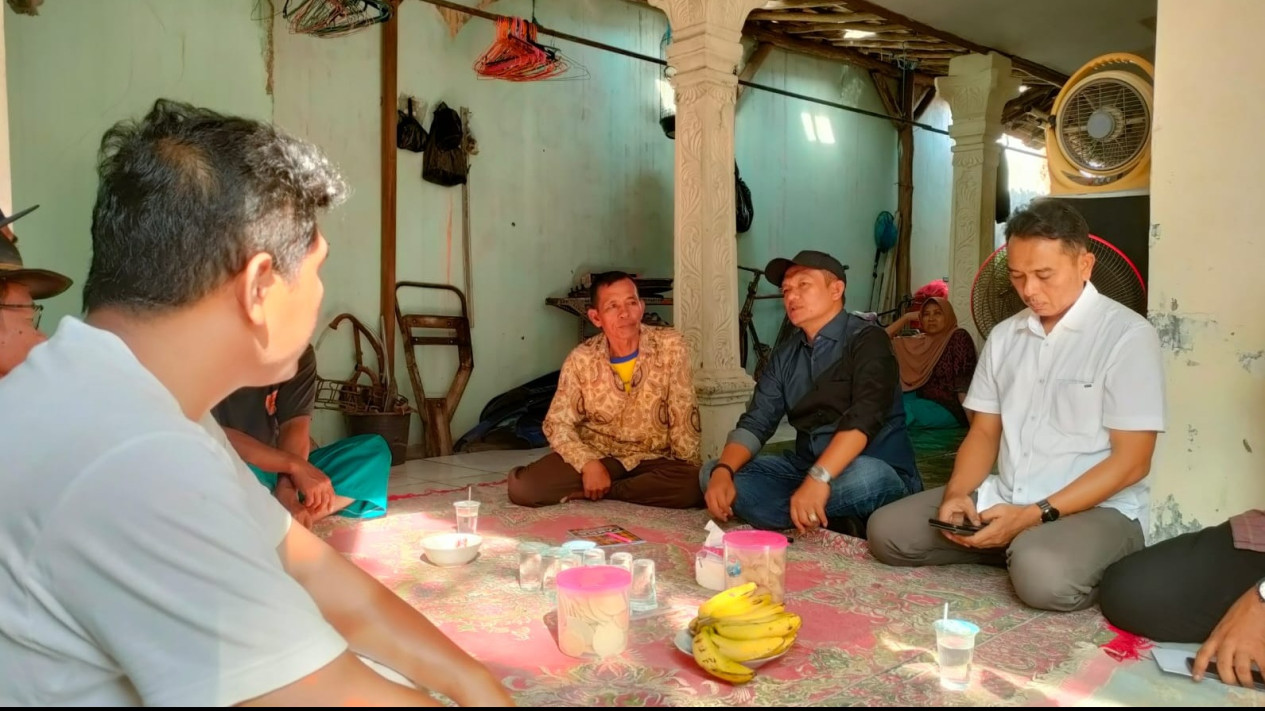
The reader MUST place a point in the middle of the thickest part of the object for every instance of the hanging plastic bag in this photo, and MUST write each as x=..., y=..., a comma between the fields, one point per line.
x=445, y=160
x=742, y=202
x=409, y=133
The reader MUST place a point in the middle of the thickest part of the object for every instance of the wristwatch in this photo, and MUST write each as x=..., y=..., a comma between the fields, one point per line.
x=819, y=473
x=1048, y=512
x=1260, y=591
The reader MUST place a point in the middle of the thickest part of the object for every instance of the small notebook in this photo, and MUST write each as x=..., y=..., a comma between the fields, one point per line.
x=607, y=535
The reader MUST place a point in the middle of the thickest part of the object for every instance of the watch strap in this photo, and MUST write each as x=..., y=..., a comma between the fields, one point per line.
x=820, y=473
x=726, y=467
x=1048, y=512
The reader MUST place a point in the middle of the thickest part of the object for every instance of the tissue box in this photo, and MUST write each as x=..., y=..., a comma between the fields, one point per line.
x=709, y=568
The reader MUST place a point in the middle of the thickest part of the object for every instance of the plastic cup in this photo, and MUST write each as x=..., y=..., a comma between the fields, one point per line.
x=955, y=646
x=467, y=516
x=579, y=546
x=550, y=566
x=530, y=565
x=756, y=556
x=644, y=596
x=594, y=556
x=622, y=560
x=593, y=611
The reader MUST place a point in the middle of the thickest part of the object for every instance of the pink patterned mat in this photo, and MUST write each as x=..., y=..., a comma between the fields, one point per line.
x=866, y=638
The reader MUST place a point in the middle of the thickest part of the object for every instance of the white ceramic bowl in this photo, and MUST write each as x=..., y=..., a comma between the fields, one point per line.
x=447, y=549
x=685, y=642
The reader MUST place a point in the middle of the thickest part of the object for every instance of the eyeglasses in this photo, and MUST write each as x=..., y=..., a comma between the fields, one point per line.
x=35, y=309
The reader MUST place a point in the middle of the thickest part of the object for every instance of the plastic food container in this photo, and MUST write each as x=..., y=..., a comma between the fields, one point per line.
x=593, y=611
x=709, y=568
x=759, y=557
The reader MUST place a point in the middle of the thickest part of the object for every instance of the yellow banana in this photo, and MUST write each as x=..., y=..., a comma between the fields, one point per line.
x=759, y=613
x=746, y=650
x=735, y=599
x=718, y=665
x=697, y=624
x=782, y=625
x=787, y=641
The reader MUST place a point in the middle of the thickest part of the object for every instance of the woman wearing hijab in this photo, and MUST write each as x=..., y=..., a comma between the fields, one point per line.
x=936, y=366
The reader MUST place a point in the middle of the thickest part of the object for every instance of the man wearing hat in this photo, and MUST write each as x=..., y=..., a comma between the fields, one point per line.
x=838, y=383
x=19, y=289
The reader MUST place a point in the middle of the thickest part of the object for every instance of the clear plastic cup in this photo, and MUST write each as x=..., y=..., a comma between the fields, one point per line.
x=594, y=556
x=467, y=516
x=593, y=611
x=579, y=546
x=530, y=565
x=550, y=566
x=622, y=560
x=644, y=596
x=955, y=647
x=757, y=556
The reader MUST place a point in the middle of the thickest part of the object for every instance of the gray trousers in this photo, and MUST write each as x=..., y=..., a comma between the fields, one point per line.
x=1053, y=566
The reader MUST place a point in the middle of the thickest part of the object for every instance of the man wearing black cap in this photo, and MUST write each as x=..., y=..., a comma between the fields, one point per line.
x=19, y=289
x=839, y=385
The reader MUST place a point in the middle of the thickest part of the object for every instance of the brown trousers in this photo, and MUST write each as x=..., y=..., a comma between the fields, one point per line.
x=666, y=483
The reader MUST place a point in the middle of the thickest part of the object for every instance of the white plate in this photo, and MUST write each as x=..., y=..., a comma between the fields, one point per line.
x=685, y=642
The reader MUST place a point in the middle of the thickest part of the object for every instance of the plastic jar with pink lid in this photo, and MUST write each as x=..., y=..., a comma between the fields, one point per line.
x=759, y=557
x=593, y=611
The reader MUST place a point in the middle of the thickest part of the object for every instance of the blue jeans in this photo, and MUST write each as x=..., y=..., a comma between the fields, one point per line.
x=766, y=483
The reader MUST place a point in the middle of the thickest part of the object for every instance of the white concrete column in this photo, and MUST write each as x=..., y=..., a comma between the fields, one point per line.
x=705, y=51
x=1207, y=258
x=977, y=88
x=6, y=169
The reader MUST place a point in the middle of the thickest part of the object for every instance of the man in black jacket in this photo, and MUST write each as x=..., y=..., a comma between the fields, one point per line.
x=839, y=385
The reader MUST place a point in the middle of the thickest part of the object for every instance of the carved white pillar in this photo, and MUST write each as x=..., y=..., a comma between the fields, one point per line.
x=705, y=51
x=977, y=88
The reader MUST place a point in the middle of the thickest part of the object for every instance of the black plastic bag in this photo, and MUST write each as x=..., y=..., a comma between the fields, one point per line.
x=445, y=161
x=409, y=133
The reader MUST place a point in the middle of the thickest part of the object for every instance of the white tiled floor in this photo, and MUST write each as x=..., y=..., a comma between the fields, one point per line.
x=458, y=470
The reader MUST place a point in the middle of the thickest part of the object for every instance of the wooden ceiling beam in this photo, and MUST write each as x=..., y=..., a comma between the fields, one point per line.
x=826, y=51
x=798, y=4
x=1038, y=71
x=823, y=18
x=752, y=66
x=895, y=46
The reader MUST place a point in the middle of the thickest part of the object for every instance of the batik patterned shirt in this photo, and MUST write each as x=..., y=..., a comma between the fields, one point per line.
x=592, y=417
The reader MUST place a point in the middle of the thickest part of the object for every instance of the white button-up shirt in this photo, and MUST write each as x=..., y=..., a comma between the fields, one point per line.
x=1059, y=393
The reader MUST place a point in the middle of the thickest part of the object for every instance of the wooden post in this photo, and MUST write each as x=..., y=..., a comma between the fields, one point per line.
x=390, y=89
x=901, y=106
x=905, y=181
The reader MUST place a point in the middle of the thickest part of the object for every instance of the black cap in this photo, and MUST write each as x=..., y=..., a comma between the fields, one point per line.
x=41, y=282
x=811, y=259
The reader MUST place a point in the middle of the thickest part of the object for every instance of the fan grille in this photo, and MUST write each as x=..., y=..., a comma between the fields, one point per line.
x=1104, y=125
x=994, y=299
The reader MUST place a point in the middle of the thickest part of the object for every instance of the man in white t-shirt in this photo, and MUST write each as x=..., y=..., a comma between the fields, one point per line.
x=140, y=560
x=1069, y=399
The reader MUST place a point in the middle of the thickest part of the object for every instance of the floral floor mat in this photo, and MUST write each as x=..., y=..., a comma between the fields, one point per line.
x=866, y=639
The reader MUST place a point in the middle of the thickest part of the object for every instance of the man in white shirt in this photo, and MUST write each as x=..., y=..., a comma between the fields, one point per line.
x=140, y=561
x=1069, y=398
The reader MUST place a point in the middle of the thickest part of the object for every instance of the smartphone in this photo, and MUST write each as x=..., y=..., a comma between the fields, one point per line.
x=966, y=528
x=1211, y=672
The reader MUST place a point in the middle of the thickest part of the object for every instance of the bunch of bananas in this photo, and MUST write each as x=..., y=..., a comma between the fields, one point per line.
x=739, y=626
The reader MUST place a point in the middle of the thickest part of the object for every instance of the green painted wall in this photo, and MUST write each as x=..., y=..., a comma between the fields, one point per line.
x=81, y=65
x=572, y=176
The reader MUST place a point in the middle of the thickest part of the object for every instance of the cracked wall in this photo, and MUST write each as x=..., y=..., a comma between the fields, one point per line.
x=1206, y=266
